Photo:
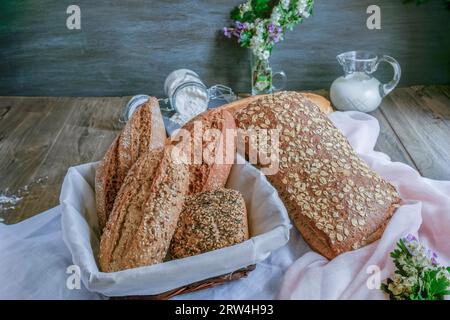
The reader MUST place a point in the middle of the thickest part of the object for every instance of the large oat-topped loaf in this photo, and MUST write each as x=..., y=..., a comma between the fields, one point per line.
x=335, y=200
x=145, y=213
x=210, y=220
x=143, y=132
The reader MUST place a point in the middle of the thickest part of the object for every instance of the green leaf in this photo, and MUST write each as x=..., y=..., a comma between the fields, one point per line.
x=436, y=287
x=245, y=39
x=235, y=14
x=260, y=5
x=249, y=16
x=261, y=8
x=402, y=246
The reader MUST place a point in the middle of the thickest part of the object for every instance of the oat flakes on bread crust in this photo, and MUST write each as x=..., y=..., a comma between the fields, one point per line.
x=323, y=103
x=143, y=132
x=335, y=200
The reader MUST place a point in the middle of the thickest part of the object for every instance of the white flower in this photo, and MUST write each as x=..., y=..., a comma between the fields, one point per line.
x=256, y=41
x=260, y=28
x=245, y=7
x=285, y=4
x=275, y=16
x=266, y=54
x=410, y=282
x=302, y=8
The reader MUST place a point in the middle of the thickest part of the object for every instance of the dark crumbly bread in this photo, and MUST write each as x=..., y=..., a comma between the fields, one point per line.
x=336, y=201
x=145, y=131
x=210, y=220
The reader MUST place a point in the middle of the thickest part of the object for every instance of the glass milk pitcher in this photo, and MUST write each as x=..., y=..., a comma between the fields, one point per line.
x=358, y=89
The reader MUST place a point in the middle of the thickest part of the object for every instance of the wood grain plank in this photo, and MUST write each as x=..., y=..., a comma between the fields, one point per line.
x=389, y=143
x=42, y=137
x=437, y=98
x=28, y=133
x=424, y=137
x=129, y=47
x=84, y=138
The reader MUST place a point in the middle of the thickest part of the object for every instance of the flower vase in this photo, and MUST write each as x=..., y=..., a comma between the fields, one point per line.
x=262, y=76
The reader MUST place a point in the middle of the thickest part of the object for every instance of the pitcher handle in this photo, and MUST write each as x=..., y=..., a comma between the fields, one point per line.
x=386, y=88
x=283, y=77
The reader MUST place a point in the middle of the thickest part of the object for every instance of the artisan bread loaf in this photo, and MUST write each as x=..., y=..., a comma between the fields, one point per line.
x=323, y=103
x=143, y=132
x=320, y=101
x=210, y=151
x=145, y=212
x=210, y=220
x=335, y=200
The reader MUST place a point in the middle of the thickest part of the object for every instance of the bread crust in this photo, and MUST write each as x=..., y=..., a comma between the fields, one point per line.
x=145, y=131
x=146, y=212
x=209, y=175
x=335, y=200
x=209, y=221
x=128, y=209
x=323, y=103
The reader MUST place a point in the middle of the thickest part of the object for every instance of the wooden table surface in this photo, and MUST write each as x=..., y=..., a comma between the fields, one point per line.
x=41, y=137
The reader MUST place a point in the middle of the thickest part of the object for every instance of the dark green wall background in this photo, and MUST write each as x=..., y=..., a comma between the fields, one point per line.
x=127, y=47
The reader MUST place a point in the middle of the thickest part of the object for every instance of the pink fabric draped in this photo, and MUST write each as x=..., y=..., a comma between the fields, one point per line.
x=425, y=213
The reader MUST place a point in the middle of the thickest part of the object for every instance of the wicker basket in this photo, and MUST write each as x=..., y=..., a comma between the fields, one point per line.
x=204, y=284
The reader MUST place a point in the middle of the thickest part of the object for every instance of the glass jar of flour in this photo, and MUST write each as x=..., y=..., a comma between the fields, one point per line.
x=187, y=96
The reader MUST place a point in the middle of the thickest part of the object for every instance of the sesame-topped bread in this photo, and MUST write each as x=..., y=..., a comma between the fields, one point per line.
x=143, y=132
x=145, y=212
x=210, y=220
x=211, y=152
x=335, y=200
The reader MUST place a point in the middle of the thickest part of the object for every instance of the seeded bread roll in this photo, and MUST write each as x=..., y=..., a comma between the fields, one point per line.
x=211, y=152
x=335, y=200
x=145, y=212
x=145, y=131
x=210, y=220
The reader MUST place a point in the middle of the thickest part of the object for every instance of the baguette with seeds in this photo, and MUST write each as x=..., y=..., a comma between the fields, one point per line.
x=143, y=132
x=145, y=212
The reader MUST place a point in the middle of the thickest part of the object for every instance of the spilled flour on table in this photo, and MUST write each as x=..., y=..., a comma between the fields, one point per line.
x=9, y=202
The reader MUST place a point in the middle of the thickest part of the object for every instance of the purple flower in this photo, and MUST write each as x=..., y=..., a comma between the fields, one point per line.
x=227, y=32
x=240, y=26
x=275, y=32
x=409, y=238
x=433, y=257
